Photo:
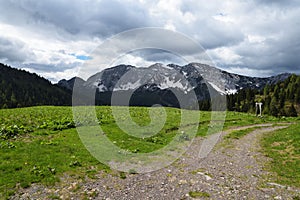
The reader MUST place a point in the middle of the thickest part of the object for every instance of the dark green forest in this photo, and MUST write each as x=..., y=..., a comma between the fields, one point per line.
x=19, y=88
x=281, y=99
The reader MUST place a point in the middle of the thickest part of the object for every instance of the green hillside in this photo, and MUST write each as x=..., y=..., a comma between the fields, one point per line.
x=19, y=88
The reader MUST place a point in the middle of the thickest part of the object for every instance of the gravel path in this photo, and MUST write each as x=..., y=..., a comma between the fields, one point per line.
x=234, y=172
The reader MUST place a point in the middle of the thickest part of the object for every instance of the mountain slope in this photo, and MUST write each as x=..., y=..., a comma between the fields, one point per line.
x=69, y=84
x=186, y=78
x=156, y=83
x=19, y=88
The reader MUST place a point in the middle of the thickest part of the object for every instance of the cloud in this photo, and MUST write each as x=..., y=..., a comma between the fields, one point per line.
x=197, y=20
x=278, y=3
x=56, y=36
x=213, y=34
x=49, y=68
x=154, y=40
x=55, y=76
x=146, y=57
x=275, y=44
x=13, y=50
x=94, y=18
x=249, y=72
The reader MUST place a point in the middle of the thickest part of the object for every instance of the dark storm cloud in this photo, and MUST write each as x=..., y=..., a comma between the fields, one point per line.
x=160, y=38
x=13, y=50
x=213, y=34
x=157, y=55
x=280, y=47
x=280, y=3
x=283, y=58
x=202, y=25
x=60, y=67
x=94, y=18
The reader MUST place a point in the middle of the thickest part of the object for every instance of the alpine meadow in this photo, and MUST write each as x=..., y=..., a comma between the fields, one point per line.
x=158, y=100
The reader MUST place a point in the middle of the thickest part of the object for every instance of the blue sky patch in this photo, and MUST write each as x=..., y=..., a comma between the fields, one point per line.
x=81, y=57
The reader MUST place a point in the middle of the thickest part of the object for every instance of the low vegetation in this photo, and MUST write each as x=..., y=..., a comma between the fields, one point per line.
x=42, y=159
x=40, y=144
x=197, y=194
x=239, y=133
x=283, y=147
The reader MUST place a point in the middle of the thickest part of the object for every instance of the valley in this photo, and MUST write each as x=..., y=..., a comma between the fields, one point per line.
x=138, y=100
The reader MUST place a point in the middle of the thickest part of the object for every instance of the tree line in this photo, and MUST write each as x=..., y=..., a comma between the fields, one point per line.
x=281, y=99
x=19, y=88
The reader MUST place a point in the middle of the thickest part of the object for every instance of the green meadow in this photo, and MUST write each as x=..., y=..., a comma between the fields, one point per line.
x=40, y=144
x=284, y=148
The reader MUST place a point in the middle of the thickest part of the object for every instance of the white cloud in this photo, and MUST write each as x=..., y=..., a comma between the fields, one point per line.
x=130, y=59
x=250, y=72
x=225, y=56
x=256, y=39
x=54, y=77
x=170, y=26
x=224, y=18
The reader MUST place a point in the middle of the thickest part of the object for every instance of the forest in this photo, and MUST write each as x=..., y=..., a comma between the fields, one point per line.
x=281, y=99
x=19, y=88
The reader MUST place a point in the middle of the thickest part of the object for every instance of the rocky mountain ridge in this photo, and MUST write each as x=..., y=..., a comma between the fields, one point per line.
x=185, y=78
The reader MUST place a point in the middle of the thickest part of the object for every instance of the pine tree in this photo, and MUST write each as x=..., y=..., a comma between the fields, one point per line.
x=291, y=111
x=276, y=91
x=266, y=90
x=273, y=107
x=281, y=100
x=297, y=95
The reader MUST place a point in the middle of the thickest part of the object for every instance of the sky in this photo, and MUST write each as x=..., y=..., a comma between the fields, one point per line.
x=55, y=38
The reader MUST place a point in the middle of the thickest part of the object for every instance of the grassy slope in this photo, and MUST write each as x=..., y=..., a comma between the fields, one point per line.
x=283, y=146
x=39, y=144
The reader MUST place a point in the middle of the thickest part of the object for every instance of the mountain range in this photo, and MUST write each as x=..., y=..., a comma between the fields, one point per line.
x=185, y=78
x=163, y=84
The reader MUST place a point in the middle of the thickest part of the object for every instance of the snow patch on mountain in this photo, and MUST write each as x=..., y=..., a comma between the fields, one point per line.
x=102, y=88
x=217, y=88
x=231, y=91
x=167, y=83
x=128, y=86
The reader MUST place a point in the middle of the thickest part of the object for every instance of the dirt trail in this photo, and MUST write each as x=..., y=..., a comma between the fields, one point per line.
x=226, y=173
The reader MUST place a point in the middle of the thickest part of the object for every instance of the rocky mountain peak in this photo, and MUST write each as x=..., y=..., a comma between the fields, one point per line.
x=159, y=77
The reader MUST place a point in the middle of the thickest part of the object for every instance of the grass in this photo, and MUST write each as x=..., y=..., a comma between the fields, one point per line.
x=243, y=119
x=283, y=146
x=39, y=144
x=198, y=194
x=43, y=159
x=235, y=135
x=240, y=133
